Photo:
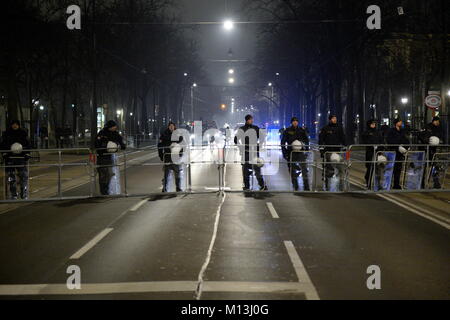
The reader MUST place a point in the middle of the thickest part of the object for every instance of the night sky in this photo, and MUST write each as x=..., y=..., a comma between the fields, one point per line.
x=215, y=42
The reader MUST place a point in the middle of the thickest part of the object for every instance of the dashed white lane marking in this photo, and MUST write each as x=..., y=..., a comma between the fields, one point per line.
x=91, y=244
x=303, y=277
x=272, y=210
x=153, y=286
x=138, y=205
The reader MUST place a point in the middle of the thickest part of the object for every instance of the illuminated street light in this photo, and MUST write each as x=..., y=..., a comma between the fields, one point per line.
x=448, y=93
x=270, y=84
x=194, y=85
x=185, y=74
x=131, y=114
x=228, y=25
x=231, y=71
x=404, y=100
x=41, y=108
x=231, y=80
x=119, y=112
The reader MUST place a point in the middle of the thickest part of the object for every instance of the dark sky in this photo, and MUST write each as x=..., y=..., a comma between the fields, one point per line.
x=215, y=41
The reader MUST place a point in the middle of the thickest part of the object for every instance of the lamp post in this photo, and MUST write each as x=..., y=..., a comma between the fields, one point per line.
x=194, y=85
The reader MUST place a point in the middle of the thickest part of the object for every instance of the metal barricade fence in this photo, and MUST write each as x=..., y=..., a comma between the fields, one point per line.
x=74, y=173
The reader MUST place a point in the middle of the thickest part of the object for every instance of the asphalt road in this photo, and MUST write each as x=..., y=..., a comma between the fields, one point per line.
x=222, y=245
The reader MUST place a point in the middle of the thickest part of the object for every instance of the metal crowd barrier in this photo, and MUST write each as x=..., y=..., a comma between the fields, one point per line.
x=55, y=174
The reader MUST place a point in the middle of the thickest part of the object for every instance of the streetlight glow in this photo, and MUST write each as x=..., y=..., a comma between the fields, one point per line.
x=230, y=71
x=404, y=100
x=231, y=80
x=194, y=85
x=270, y=84
x=228, y=25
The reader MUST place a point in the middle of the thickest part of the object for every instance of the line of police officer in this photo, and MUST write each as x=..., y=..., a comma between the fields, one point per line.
x=333, y=140
x=293, y=139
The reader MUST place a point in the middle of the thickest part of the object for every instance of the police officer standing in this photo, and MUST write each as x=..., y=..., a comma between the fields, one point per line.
x=432, y=135
x=16, y=140
x=397, y=137
x=296, y=161
x=248, y=164
x=332, y=137
x=371, y=136
x=107, y=143
x=169, y=152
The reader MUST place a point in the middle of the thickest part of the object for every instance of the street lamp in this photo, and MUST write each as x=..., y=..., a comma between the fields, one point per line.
x=228, y=25
x=231, y=71
x=404, y=100
x=185, y=74
x=194, y=85
x=41, y=108
x=231, y=80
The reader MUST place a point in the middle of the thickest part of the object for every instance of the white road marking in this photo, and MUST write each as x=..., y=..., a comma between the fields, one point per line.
x=91, y=244
x=423, y=213
x=272, y=210
x=408, y=206
x=138, y=205
x=152, y=286
x=209, y=253
x=302, y=275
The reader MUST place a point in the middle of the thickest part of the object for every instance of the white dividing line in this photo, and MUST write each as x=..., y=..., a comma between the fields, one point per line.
x=410, y=207
x=138, y=205
x=199, y=290
x=302, y=275
x=90, y=244
x=272, y=210
x=148, y=287
x=425, y=214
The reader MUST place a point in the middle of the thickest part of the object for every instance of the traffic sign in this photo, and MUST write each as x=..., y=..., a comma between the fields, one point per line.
x=433, y=101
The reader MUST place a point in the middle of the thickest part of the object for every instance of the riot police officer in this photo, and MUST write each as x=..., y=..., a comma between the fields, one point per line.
x=296, y=161
x=107, y=143
x=371, y=136
x=16, y=140
x=169, y=152
x=397, y=137
x=248, y=147
x=432, y=135
x=332, y=139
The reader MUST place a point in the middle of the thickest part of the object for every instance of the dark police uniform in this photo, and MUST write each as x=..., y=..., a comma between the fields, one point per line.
x=371, y=136
x=165, y=155
x=397, y=138
x=248, y=151
x=16, y=164
x=424, y=138
x=105, y=160
x=296, y=160
x=332, y=135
